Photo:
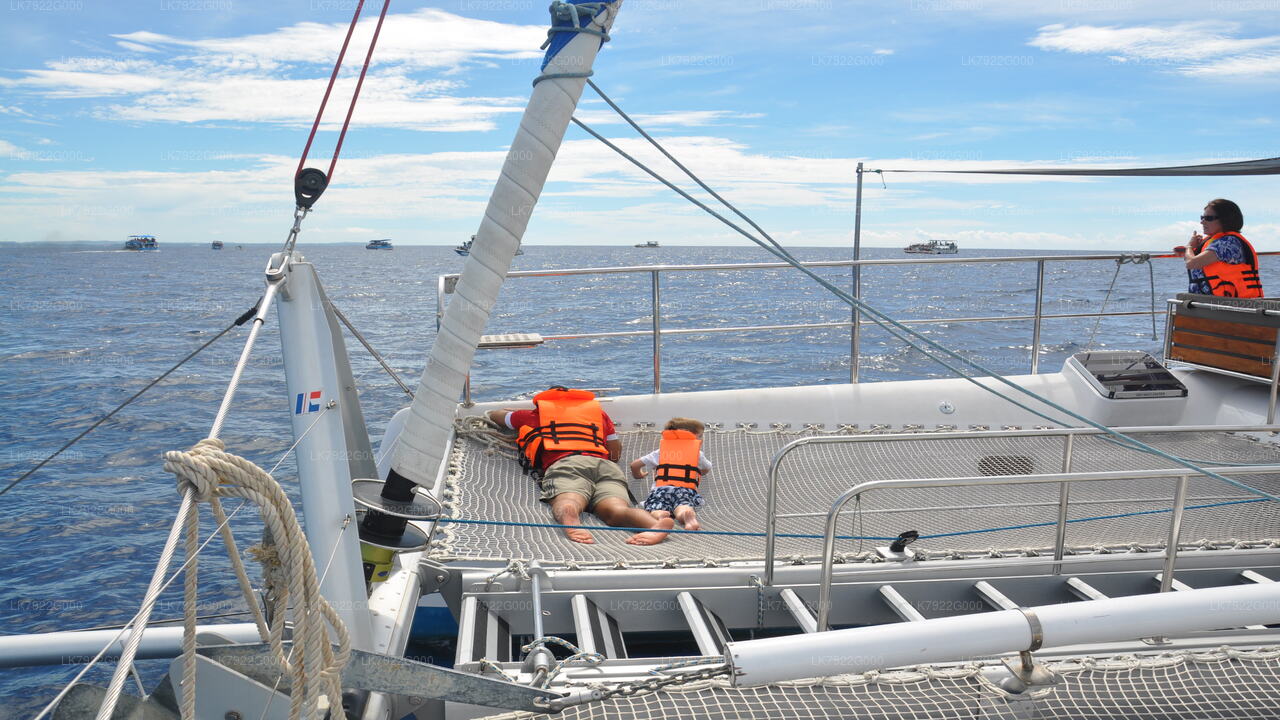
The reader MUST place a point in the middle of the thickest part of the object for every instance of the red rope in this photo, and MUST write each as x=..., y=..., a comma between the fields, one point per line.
x=337, y=66
x=351, y=109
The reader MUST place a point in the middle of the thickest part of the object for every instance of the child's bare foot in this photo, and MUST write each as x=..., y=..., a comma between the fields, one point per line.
x=579, y=535
x=688, y=518
x=654, y=536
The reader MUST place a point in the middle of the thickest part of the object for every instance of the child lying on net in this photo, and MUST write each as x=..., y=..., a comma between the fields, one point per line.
x=678, y=466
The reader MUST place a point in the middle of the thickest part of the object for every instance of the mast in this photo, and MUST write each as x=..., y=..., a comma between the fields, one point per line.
x=577, y=33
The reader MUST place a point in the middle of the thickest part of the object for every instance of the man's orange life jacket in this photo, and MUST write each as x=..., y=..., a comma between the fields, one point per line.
x=1238, y=280
x=571, y=422
x=678, y=460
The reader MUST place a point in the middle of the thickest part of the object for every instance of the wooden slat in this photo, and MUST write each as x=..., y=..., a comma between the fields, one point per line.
x=1218, y=360
x=1221, y=327
x=1251, y=348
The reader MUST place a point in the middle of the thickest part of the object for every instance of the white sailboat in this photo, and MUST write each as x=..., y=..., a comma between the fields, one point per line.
x=1099, y=540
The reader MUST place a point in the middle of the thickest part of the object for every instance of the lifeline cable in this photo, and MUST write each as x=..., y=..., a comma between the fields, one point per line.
x=236, y=323
x=885, y=321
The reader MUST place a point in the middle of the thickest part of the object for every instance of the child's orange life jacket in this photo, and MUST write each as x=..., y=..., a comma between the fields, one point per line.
x=678, y=460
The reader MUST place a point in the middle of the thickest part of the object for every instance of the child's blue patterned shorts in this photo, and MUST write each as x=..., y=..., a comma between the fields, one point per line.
x=667, y=497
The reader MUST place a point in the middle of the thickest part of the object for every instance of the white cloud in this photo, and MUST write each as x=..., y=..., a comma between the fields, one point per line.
x=136, y=47
x=279, y=77
x=1205, y=48
x=11, y=151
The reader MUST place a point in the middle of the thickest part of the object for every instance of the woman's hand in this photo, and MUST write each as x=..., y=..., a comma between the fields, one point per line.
x=1197, y=242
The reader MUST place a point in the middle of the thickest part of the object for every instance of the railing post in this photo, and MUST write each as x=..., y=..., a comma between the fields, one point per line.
x=1175, y=529
x=657, y=333
x=1168, y=328
x=855, y=332
x=1035, y=327
x=1064, y=491
x=771, y=510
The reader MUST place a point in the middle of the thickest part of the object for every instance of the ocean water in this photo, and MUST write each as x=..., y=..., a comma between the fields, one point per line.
x=87, y=326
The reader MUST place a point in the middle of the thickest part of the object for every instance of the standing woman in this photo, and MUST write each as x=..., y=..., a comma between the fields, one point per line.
x=1221, y=262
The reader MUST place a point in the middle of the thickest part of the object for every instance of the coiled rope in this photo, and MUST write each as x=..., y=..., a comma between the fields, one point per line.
x=211, y=474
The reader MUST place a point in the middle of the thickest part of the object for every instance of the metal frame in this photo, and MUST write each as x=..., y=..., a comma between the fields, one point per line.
x=1068, y=435
x=1171, y=549
x=445, y=285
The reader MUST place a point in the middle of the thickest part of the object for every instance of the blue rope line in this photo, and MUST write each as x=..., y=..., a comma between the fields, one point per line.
x=814, y=536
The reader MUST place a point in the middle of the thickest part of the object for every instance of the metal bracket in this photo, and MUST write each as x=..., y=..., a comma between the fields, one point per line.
x=1025, y=668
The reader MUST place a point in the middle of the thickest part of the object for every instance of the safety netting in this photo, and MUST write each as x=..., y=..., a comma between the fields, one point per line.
x=492, y=511
x=1225, y=684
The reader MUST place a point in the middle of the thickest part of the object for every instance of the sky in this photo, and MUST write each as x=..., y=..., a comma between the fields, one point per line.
x=186, y=118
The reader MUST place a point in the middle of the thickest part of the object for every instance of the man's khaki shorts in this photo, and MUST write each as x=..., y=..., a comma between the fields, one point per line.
x=591, y=477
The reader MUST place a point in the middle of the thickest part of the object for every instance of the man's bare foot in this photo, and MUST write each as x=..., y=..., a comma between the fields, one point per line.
x=579, y=535
x=654, y=536
x=689, y=519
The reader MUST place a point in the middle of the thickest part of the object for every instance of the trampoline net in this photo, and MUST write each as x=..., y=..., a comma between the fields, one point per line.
x=485, y=484
x=1223, y=684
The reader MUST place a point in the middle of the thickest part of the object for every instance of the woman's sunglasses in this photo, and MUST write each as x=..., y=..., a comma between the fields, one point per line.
x=1208, y=218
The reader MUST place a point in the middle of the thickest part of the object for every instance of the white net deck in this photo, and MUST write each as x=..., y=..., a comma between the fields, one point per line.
x=1225, y=684
x=487, y=485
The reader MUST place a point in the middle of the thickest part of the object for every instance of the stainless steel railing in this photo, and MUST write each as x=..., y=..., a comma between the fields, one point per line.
x=446, y=283
x=1068, y=436
x=1180, y=476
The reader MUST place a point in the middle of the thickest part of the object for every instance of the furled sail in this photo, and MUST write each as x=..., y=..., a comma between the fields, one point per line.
x=578, y=30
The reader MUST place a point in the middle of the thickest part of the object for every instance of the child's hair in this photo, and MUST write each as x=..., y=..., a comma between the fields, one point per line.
x=683, y=423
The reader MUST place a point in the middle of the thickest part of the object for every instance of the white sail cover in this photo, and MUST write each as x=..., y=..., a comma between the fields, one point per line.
x=421, y=446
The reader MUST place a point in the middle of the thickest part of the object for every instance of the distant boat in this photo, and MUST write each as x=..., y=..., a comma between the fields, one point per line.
x=465, y=248
x=648, y=244
x=217, y=245
x=933, y=247
x=141, y=242
x=378, y=245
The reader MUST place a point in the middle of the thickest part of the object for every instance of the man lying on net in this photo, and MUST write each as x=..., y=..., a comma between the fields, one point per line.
x=569, y=444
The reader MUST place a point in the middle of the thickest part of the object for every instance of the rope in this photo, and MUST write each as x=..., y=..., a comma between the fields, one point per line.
x=337, y=65
x=359, y=83
x=915, y=339
x=578, y=655
x=244, y=317
x=1136, y=260
x=210, y=473
x=817, y=536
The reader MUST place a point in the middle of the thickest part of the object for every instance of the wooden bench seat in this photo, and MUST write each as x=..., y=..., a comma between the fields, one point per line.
x=1214, y=338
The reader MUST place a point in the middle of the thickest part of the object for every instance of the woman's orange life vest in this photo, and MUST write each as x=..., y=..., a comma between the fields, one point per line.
x=678, y=460
x=571, y=422
x=1237, y=280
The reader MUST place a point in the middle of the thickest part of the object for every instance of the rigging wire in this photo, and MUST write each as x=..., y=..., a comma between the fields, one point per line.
x=885, y=321
x=781, y=254
x=236, y=323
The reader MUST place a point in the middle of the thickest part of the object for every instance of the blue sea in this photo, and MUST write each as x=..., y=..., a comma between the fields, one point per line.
x=86, y=326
